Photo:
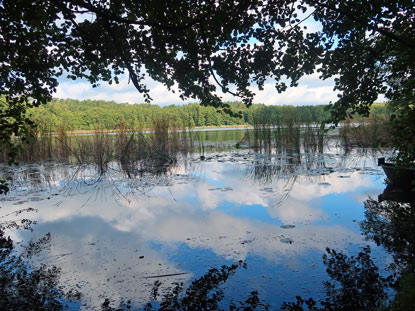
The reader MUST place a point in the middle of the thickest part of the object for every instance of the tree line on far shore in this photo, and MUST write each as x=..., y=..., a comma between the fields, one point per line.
x=76, y=115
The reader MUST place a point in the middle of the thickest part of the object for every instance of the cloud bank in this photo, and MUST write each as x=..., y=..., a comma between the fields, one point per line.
x=311, y=91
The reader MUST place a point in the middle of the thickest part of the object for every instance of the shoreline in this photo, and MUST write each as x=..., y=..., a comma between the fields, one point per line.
x=117, y=131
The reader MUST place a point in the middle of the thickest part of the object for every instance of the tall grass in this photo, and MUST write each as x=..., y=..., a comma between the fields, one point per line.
x=133, y=151
x=64, y=144
x=370, y=132
x=314, y=138
x=287, y=134
x=38, y=144
x=272, y=135
x=103, y=150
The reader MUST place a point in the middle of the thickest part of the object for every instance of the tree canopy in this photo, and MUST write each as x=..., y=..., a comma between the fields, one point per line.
x=205, y=46
x=75, y=115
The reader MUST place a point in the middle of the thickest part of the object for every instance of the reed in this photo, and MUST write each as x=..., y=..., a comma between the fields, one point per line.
x=64, y=143
x=30, y=147
x=154, y=151
x=45, y=141
x=278, y=135
x=313, y=138
x=36, y=146
x=134, y=151
x=263, y=132
x=370, y=132
x=103, y=151
x=164, y=140
x=292, y=133
x=124, y=144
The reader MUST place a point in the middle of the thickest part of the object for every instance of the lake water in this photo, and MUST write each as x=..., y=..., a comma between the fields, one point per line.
x=113, y=236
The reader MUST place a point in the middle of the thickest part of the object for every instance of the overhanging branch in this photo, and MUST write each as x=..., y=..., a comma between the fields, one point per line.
x=373, y=27
x=109, y=16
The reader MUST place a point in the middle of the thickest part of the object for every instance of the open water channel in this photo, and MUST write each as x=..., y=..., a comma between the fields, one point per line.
x=274, y=215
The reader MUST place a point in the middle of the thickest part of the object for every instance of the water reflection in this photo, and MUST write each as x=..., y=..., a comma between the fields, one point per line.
x=110, y=234
x=23, y=287
x=397, y=194
x=392, y=225
x=356, y=282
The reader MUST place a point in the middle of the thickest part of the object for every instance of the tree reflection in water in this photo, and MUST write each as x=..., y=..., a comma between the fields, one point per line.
x=26, y=288
x=392, y=225
x=355, y=282
x=202, y=294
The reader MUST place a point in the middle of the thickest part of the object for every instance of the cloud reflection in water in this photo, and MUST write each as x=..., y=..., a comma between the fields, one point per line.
x=100, y=232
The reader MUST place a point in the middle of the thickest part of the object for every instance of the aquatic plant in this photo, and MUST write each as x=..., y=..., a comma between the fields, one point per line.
x=273, y=134
x=103, y=151
x=369, y=132
x=147, y=149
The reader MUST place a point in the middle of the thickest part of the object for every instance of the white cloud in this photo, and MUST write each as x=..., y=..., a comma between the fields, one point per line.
x=121, y=93
x=311, y=91
x=301, y=95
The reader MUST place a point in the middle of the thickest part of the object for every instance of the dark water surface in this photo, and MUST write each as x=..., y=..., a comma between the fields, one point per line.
x=113, y=237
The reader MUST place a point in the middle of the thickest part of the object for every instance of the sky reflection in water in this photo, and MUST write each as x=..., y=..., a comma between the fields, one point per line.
x=111, y=236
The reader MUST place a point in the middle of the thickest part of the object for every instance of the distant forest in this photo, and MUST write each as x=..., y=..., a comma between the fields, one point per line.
x=77, y=115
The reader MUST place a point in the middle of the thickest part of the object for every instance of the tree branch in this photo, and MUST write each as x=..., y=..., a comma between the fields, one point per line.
x=208, y=52
x=131, y=73
x=354, y=18
x=109, y=16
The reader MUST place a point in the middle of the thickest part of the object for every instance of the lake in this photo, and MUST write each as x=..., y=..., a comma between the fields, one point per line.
x=272, y=215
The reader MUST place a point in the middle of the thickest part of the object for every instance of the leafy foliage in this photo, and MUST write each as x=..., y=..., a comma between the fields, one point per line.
x=368, y=46
x=403, y=132
x=203, y=46
x=175, y=42
x=86, y=115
